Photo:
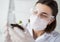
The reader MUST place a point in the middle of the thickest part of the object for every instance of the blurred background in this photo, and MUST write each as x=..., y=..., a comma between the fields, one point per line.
x=22, y=12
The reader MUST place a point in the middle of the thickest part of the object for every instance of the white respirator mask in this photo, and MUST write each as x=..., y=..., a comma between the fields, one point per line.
x=37, y=23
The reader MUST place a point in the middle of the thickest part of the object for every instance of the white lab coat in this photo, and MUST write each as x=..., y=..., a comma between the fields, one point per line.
x=51, y=37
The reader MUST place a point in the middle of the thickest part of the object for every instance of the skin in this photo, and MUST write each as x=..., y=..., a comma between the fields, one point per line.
x=46, y=9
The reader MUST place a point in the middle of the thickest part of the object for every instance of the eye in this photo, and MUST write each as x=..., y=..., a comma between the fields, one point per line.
x=44, y=15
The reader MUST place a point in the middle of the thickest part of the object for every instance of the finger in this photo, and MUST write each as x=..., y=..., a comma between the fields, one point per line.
x=16, y=34
x=19, y=32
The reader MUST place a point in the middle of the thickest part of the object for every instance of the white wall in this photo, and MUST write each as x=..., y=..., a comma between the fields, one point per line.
x=58, y=17
x=22, y=10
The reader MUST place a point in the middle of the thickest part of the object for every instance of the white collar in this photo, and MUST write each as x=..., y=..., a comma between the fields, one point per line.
x=46, y=36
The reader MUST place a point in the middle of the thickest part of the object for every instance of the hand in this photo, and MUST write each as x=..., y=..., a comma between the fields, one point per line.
x=17, y=35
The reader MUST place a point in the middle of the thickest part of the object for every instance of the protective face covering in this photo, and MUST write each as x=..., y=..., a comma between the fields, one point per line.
x=37, y=23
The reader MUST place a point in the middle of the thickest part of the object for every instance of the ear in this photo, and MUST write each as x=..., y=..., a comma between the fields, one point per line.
x=51, y=20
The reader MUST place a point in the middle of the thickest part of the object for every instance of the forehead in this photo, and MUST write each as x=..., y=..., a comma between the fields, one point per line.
x=44, y=8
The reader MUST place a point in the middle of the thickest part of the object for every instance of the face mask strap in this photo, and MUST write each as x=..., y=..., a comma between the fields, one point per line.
x=53, y=17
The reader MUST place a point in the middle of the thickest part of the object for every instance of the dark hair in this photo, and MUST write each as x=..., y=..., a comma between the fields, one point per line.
x=53, y=5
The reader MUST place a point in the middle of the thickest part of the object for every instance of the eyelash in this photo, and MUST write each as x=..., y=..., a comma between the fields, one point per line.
x=43, y=15
x=35, y=12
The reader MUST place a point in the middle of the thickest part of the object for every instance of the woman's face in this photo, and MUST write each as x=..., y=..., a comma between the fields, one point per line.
x=44, y=12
